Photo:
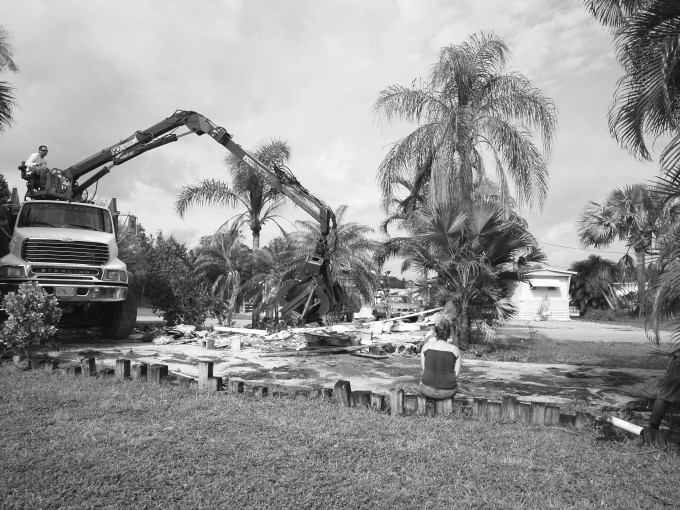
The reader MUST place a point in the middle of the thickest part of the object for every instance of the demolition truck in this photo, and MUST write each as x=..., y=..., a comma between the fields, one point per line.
x=65, y=243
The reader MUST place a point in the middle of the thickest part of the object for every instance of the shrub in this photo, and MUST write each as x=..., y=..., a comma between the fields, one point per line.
x=31, y=322
x=606, y=315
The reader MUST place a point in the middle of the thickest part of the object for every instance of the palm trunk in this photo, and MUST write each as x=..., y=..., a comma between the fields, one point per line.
x=465, y=331
x=641, y=279
x=230, y=309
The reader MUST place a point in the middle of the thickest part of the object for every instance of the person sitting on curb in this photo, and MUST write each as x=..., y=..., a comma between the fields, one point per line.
x=441, y=362
x=668, y=392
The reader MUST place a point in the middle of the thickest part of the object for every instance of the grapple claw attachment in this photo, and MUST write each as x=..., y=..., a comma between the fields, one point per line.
x=310, y=297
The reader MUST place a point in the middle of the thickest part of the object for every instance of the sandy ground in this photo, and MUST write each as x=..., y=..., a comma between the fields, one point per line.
x=591, y=386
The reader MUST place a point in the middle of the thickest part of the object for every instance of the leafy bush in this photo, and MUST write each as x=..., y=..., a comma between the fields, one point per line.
x=31, y=322
x=173, y=287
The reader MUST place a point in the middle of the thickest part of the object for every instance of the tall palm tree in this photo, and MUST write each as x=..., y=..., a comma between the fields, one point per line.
x=351, y=252
x=7, y=99
x=633, y=214
x=223, y=262
x=469, y=110
x=249, y=190
x=470, y=251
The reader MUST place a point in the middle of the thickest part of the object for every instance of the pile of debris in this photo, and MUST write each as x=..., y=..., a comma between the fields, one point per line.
x=374, y=339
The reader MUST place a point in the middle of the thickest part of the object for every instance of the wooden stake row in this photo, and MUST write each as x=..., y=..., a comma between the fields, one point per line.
x=509, y=409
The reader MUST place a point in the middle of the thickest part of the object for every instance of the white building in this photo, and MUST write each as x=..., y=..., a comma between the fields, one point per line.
x=543, y=296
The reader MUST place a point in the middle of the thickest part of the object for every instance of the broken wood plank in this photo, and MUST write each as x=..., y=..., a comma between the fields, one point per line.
x=422, y=405
x=205, y=373
x=508, y=408
x=392, y=319
x=537, y=413
x=245, y=331
x=369, y=355
x=342, y=392
x=493, y=411
x=88, y=367
x=122, y=369
x=138, y=371
x=310, y=352
x=523, y=413
x=410, y=404
x=360, y=399
x=377, y=401
x=396, y=402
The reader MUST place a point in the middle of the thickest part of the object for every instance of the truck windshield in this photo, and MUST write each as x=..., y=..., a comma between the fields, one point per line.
x=38, y=214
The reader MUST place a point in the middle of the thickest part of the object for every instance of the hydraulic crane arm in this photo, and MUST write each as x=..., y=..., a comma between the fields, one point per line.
x=161, y=134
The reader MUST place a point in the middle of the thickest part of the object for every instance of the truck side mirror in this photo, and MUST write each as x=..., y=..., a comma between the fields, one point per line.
x=113, y=207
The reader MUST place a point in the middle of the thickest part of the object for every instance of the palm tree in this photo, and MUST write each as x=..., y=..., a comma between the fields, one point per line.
x=468, y=110
x=633, y=214
x=351, y=252
x=249, y=190
x=7, y=100
x=646, y=102
x=271, y=266
x=592, y=287
x=470, y=251
x=222, y=263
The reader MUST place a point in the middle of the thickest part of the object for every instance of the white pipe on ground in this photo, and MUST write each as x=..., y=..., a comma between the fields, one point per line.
x=624, y=425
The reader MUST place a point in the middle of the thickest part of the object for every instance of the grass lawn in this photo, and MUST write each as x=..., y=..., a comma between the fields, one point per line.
x=98, y=443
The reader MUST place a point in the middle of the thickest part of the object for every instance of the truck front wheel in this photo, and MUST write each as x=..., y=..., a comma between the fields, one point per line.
x=118, y=319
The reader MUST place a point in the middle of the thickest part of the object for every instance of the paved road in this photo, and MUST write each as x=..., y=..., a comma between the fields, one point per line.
x=147, y=315
x=579, y=331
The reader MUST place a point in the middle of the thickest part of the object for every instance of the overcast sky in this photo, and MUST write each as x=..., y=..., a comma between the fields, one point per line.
x=307, y=71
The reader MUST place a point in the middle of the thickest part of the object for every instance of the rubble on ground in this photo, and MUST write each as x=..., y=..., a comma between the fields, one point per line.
x=376, y=339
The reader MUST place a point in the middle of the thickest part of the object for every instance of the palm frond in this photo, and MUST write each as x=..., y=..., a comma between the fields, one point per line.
x=206, y=192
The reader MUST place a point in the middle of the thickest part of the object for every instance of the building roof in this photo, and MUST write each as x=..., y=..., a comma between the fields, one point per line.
x=550, y=271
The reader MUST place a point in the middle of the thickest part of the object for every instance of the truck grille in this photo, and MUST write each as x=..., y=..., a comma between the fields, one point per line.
x=62, y=252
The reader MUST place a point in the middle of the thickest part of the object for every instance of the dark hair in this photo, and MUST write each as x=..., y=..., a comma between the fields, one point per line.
x=442, y=330
x=41, y=147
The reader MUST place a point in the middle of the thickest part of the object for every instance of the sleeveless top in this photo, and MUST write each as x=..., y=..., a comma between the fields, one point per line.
x=440, y=370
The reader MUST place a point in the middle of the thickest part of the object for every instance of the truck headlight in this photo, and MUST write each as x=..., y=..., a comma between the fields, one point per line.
x=13, y=271
x=115, y=275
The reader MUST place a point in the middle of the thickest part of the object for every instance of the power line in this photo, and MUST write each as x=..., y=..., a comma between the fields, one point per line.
x=584, y=249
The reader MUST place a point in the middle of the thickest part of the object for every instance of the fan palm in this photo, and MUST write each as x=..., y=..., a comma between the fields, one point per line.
x=592, y=287
x=470, y=111
x=7, y=100
x=248, y=191
x=633, y=214
x=470, y=251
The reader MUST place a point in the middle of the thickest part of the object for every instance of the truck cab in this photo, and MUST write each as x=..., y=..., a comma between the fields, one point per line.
x=70, y=250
